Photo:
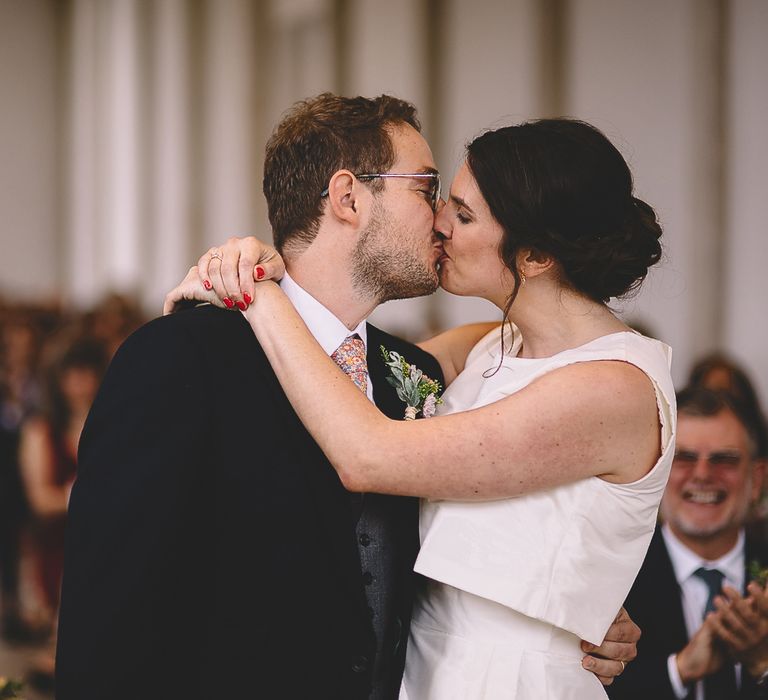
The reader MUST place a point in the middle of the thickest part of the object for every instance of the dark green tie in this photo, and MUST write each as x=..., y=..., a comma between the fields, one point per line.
x=721, y=685
x=714, y=580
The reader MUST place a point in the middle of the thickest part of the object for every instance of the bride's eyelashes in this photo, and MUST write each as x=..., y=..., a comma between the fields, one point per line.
x=463, y=218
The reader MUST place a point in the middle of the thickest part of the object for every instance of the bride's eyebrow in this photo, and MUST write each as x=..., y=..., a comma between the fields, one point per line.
x=459, y=202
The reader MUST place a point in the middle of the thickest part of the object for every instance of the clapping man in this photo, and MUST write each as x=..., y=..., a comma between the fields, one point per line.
x=705, y=625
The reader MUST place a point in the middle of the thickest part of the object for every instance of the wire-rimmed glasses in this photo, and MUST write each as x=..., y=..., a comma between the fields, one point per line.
x=434, y=191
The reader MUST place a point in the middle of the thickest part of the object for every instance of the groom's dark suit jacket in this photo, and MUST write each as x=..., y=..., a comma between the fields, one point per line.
x=211, y=549
x=655, y=604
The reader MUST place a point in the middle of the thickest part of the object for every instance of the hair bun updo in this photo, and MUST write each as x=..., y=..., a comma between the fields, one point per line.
x=615, y=263
x=560, y=187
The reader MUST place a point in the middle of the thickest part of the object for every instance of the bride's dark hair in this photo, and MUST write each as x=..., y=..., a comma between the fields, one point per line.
x=561, y=188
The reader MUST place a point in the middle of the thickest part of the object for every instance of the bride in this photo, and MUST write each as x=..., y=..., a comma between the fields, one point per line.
x=554, y=438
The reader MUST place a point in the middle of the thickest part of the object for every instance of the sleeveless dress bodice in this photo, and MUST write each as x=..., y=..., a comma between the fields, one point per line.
x=515, y=584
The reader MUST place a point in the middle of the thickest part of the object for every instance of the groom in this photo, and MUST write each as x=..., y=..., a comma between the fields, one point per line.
x=212, y=551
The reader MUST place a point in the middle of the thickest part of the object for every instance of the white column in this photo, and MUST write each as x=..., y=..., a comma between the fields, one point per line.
x=29, y=118
x=228, y=171
x=303, y=42
x=643, y=73
x=168, y=251
x=745, y=331
x=121, y=149
x=386, y=54
x=489, y=80
x=386, y=50
x=104, y=161
x=82, y=172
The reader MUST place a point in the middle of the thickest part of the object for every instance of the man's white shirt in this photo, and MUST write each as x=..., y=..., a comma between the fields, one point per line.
x=327, y=329
x=695, y=593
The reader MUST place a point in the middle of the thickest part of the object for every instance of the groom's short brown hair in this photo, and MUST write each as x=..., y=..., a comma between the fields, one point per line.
x=315, y=138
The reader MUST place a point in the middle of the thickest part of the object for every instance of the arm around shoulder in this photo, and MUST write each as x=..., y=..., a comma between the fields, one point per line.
x=588, y=419
x=452, y=347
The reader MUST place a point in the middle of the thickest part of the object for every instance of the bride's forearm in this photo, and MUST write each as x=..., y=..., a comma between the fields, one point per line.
x=542, y=436
x=345, y=424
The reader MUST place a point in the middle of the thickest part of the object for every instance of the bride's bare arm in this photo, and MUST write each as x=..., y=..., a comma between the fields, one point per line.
x=590, y=419
x=452, y=347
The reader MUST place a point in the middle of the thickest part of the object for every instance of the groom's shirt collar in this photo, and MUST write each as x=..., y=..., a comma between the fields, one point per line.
x=328, y=330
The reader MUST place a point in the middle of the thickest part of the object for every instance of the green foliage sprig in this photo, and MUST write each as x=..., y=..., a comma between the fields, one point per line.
x=757, y=573
x=10, y=689
x=416, y=390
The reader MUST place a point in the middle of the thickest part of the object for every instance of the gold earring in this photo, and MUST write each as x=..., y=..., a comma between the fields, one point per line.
x=522, y=277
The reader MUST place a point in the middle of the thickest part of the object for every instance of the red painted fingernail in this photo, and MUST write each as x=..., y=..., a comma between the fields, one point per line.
x=241, y=305
x=259, y=273
x=247, y=298
x=207, y=285
x=228, y=302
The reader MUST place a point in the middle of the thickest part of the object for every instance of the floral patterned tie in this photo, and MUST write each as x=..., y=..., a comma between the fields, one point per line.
x=350, y=356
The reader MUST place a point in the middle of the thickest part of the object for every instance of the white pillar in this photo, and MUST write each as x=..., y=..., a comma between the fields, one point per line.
x=385, y=54
x=168, y=251
x=82, y=172
x=745, y=329
x=29, y=121
x=230, y=183
x=489, y=79
x=302, y=39
x=121, y=155
x=642, y=72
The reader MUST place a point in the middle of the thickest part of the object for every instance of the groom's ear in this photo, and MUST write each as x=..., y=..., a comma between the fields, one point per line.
x=346, y=195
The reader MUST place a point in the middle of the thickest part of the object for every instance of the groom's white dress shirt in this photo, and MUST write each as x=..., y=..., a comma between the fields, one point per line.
x=695, y=593
x=328, y=330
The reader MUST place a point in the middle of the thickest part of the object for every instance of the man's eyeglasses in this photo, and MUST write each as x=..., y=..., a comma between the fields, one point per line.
x=687, y=458
x=433, y=178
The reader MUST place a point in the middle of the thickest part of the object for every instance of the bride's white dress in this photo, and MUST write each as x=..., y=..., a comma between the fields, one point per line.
x=515, y=584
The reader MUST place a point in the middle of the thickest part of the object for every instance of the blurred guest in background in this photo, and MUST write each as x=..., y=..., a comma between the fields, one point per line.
x=112, y=320
x=48, y=451
x=19, y=396
x=48, y=459
x=718, y=371
x=51, y=361
x=701, y=561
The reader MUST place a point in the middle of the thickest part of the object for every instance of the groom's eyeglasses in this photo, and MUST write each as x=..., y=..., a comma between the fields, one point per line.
x=433, y=179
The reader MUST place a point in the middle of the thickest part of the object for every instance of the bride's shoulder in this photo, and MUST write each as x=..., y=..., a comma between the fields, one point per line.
x=453, y=347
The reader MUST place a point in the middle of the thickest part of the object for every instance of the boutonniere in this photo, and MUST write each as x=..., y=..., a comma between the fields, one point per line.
x=757, y=573
x=414, y=388
x=9, y=688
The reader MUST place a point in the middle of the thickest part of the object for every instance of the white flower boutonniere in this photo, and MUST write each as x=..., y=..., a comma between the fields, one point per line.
x=414, y=388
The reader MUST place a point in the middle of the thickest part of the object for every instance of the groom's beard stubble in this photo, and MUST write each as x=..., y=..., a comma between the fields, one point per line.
x=386, y=263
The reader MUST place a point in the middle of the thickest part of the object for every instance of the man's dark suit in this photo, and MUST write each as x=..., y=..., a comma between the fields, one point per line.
x=211, y=548
x=655, y=605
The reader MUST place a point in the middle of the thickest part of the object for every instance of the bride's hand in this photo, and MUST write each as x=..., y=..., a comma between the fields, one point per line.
x=189, y=289
x=232, y=270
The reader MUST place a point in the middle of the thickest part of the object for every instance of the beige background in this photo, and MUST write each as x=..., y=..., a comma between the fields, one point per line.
x=131, y=132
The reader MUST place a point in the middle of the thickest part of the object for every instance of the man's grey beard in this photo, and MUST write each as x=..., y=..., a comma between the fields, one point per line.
x=696, y=531
x=383, y=272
